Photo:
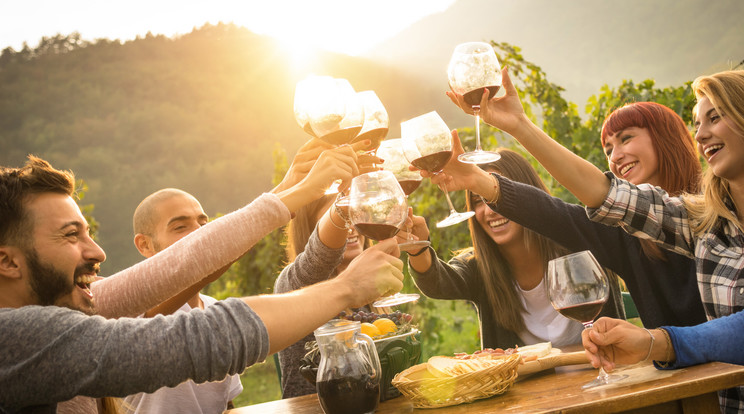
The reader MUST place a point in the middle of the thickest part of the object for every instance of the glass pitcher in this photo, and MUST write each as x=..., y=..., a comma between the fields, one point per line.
x=349, y=372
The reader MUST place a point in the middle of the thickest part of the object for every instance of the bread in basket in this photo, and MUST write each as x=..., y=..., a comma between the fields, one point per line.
x=445, y=381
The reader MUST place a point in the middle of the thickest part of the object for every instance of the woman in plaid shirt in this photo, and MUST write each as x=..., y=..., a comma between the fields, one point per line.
x=707, y=227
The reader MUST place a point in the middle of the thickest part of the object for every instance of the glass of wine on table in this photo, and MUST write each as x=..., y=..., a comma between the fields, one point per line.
x=391, y=150
x=578, y=289
x=377, y=209
x=472, y=70
x=427, y=145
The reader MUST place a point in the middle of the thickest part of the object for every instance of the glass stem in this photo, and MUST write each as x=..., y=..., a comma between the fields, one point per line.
x=476, y=112
x=602, y=375
x=408, y=228
x=446, y=195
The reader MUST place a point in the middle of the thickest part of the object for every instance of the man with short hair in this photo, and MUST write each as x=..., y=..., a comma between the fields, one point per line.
x=51, y=349
x=161, y=219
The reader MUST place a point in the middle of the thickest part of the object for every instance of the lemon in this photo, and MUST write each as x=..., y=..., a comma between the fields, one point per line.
x=385, y=325
x=371, y=330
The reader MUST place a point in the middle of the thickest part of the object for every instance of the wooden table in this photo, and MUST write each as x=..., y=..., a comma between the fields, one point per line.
x=688, y=390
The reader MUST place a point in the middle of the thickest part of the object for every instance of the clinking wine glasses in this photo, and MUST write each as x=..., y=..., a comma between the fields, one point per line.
x=329, y=109
x=391, y=150
x=427, y=145
x=472, y=70
x=578, y=289
x=377, y=209
x=376, y=120
x=337, y=114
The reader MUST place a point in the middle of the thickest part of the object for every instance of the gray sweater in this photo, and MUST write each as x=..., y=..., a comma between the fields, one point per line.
x=50, y=354
x=317, y=263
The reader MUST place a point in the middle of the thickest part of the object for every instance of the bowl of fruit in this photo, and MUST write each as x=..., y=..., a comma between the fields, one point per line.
x=395, y=337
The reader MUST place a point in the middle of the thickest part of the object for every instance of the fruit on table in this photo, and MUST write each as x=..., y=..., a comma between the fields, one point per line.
x=385, y=325
x=370, y=329
x=398, y=317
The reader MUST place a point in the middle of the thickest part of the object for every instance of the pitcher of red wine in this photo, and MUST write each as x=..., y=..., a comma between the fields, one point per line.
x=349, y=372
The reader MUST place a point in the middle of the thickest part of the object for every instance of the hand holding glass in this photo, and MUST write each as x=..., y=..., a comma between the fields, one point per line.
x=427, y=145
x=391, y=150
x=377, y=209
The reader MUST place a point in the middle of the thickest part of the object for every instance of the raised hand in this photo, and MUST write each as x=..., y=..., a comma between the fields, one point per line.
x=307, y=155
x=418, y=229
x=458, y=175
x=302, y=163
x=376, y=272
x=504, y=112
x=333, y=164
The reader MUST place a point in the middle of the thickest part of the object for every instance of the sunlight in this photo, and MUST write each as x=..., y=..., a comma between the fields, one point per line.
x=302, y=54
x=342, y=26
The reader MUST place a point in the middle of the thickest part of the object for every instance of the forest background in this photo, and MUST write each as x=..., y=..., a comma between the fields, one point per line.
x=210, y=112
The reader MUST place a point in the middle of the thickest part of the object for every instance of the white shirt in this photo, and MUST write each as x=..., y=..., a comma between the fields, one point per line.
x=189, y=397
x=543, y=323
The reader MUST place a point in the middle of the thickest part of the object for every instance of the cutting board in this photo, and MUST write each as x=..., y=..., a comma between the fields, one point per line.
x=556, y=358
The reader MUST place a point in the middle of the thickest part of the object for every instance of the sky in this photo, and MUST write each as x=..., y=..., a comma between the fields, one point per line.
x=346, y=26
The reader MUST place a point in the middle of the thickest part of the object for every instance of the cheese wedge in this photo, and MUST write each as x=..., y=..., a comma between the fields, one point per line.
x=537, y=350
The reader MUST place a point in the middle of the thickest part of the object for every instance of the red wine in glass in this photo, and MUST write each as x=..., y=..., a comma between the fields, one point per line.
x=473, y=98
x=433, y=163
x=342, y=136
x=584, y=313
x=374, y=135
x=409, y=186
x=376, y=231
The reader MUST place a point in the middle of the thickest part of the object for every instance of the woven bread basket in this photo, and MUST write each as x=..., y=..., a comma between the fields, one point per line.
x=426, y=390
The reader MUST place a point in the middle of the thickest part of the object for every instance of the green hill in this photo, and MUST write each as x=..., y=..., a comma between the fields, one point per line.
x=202, y=112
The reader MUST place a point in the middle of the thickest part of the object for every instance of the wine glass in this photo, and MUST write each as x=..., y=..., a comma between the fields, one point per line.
x=328, y=108
x=427, y=145
x=377, y=209
x=376, y=120
x=306, y=92
x=374, y=128
x=391, y=150
x=472, y=69
x=578, y=289
x=336, y=115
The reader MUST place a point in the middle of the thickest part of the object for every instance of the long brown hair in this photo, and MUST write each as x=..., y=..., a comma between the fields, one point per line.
x=679, y=168
x=494, y=269
x=725, y=90
x=302, y=225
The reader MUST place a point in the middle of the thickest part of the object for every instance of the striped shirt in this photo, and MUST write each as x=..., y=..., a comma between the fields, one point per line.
x=649, y=212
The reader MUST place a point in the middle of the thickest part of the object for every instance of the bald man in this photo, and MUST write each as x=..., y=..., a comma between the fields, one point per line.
x=160, y=220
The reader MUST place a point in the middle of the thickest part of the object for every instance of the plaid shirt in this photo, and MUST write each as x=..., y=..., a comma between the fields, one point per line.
x=649, y=212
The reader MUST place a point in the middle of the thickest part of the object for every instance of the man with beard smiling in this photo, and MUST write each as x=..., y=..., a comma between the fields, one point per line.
x=51, y=349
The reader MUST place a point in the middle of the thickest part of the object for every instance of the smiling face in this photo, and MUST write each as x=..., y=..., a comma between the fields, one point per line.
x=501, y=230
x=174, y=218
x=632, y=157
x=721, y=144
x=64, y=260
